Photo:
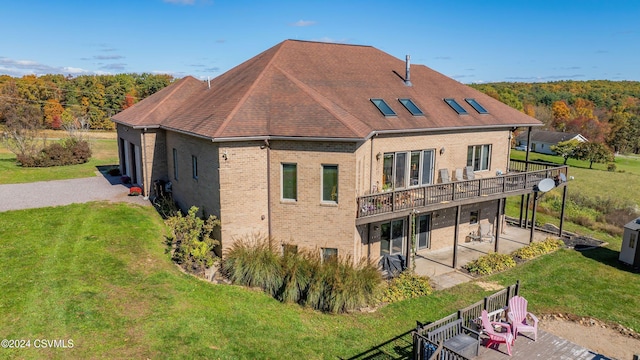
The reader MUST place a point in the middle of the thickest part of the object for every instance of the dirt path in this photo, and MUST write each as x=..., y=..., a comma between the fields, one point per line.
x=594, y=335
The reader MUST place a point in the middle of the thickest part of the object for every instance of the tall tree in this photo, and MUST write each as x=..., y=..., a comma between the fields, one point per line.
x=593, y=153
x=566, y=149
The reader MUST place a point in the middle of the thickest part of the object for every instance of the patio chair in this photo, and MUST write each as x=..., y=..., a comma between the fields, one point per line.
x=495, y=337
x=444, y=176
x=518, y=316
x=485, y=232
x=469, y=172
x=459, y=176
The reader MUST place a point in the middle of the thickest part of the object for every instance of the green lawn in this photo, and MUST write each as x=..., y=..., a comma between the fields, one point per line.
x=105, y=152
x=98, y=274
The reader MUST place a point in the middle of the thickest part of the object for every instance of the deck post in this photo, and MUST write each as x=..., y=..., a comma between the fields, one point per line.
x=526, y=212
x=498, y=222
x=533, y=216
x=564, y=201
x=455, y=238
x=521, y=209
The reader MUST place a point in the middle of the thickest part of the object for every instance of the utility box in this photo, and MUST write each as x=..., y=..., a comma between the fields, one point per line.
x=630, y=251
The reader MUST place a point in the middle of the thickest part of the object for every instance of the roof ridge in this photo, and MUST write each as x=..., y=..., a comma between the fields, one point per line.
x=317, y=96
x=241, y=102
x=179, y=85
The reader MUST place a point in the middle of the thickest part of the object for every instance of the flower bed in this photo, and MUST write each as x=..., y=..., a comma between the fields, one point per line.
x=135, y=191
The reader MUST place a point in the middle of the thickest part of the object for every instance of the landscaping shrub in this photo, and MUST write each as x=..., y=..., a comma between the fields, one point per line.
x=407, y=285
x=67, y=152
x=335, y=285
x=192, y=241
x=254, y=262
x=490, y=263
x=538, y=248
x=611, y=167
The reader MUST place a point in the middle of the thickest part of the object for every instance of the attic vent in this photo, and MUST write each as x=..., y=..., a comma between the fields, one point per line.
x=407, y=78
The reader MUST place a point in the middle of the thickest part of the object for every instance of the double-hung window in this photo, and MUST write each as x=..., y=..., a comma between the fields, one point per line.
x=289, y=182
x=407, y=168
x=478, y=157
x=194, y=166
x=330, y=183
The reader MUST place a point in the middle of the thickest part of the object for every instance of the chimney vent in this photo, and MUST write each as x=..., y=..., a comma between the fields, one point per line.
x=407, y=78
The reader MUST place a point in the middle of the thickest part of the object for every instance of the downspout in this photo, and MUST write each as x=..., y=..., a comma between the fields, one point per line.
x=371, y=163
x=143, y=153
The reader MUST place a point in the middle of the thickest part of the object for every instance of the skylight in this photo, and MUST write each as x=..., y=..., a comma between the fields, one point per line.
x=383, y=107
x=455, y=106
x=412, y=107
x=477, y=106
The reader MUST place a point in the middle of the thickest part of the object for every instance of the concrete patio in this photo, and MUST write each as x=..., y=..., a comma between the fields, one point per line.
x=438, y=265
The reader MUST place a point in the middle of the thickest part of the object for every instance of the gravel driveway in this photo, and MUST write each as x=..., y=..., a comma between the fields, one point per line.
x=65, y=192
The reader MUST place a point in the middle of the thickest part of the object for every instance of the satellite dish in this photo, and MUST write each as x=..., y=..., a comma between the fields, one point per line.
x=546, y=184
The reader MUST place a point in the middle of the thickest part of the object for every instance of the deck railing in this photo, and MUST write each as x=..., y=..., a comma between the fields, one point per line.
x=469, y=315
x=517, y=180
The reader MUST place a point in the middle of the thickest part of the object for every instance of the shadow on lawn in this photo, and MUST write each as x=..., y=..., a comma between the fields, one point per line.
x=608, y=257
x=399, y=347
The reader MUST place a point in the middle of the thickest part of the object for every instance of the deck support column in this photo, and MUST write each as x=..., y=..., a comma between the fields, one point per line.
x=498, y=223
x=526, y=212
x=564, y=201
x=533, y=216
x=455, y=237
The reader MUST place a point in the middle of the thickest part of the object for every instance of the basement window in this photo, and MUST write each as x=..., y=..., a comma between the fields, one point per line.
x=455, y=106
x=383, y=107
x=412, y=107
x=479, y=108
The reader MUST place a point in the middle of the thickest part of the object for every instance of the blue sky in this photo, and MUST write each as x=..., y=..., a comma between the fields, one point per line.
x=472, y=41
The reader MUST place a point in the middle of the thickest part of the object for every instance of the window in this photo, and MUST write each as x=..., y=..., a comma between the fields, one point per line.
x=175, y=164
x=478, y=157
x=383, y=107
x=633, y=237
x=289, y=249
x=391, y=237
x=479, y=108
x=473, y=217
x=329, y=254
x=330, y=183
x=407, y=168
x=423, y=228
x=455, y=106
x=289, y=182
x=194, y=166
x=412, y=107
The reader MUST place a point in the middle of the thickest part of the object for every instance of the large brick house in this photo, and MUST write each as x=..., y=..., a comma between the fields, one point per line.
x=334, y=147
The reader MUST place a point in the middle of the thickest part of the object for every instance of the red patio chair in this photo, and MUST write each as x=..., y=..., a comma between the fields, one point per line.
x=496, y=337
x=518, y=317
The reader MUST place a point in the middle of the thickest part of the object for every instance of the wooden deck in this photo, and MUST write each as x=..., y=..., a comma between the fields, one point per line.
x=548, y=346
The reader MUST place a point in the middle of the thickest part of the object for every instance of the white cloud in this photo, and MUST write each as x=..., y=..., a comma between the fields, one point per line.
x=19, y=68
x=303, y=23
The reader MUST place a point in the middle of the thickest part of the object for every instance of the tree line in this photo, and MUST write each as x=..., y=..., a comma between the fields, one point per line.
x=605, y=112
x=87, y=101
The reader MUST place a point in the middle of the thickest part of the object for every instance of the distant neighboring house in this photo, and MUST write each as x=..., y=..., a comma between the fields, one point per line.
x=340, y=148
x=541, y=140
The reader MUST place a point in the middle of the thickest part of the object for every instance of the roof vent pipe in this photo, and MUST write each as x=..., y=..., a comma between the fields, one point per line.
x=208, y=82
x=407, y=78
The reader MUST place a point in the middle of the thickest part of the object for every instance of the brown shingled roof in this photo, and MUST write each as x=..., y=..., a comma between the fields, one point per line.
x=312, y=89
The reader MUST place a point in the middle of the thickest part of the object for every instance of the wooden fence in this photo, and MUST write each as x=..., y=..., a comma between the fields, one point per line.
x=423, y=349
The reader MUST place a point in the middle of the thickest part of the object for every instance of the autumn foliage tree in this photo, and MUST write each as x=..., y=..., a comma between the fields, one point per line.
x=593, y=153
